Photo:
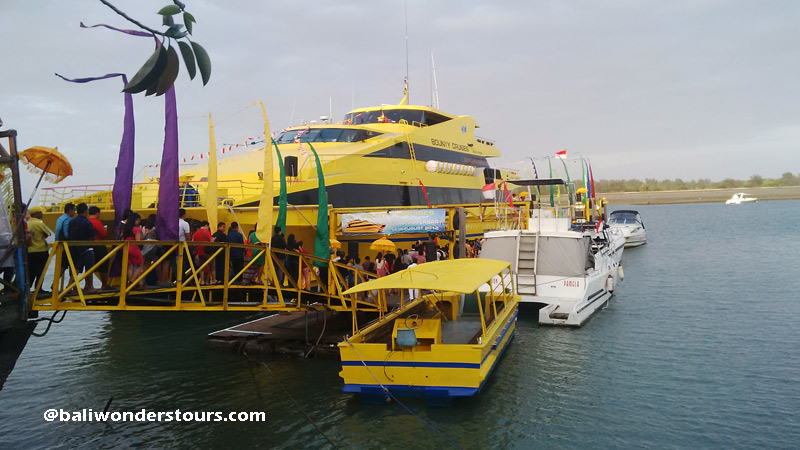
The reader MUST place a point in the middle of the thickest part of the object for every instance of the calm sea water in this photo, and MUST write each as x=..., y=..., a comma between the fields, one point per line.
x=699, y=348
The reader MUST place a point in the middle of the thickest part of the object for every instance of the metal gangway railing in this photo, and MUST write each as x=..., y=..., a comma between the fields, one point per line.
x=145, y=195
x=282, y=286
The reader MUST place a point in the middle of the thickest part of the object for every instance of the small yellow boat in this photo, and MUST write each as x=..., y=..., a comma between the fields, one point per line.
x=440, y=345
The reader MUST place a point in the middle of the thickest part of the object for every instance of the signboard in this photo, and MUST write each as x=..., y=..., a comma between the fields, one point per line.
x=395, y=222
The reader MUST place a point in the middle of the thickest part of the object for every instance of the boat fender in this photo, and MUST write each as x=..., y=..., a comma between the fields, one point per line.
x=621, y=273
x=610, y=284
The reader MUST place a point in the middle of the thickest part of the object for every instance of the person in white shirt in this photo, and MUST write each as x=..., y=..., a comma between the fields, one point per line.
x=413, y=293
x=184, y=230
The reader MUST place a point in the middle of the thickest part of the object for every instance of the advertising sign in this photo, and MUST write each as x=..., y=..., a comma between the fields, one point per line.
x=395, y=222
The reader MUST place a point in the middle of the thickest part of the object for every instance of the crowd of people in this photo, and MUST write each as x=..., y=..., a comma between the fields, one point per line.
x=81, y=223
x=386, y=263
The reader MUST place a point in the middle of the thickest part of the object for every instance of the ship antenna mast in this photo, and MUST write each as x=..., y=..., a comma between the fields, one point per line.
x=435, y=100
x=405, y=8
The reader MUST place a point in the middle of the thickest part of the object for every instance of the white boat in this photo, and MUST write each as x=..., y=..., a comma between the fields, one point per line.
x=629, y=223
x=572, y=271
x=740, y=198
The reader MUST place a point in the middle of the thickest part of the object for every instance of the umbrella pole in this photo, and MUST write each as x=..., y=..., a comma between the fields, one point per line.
x=36, y=188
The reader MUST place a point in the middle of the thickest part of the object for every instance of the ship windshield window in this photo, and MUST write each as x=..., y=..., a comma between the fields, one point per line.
x=622, y=218
x=432, y=118
x=385, y=116
x=326, y=135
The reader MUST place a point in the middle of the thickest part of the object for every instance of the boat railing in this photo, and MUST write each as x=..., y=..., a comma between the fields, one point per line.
x=145, y=195
x=178, y=276
x=511, y=218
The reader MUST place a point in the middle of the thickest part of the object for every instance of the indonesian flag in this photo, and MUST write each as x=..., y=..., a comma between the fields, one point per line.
x=562, y=154
x=488, y=191
x=599, y=226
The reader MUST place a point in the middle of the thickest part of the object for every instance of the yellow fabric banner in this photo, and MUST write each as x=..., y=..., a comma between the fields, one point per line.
x=264, y=230
x=211, y=187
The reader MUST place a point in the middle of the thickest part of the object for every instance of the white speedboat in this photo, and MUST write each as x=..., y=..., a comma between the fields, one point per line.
x=740, y=198
x=629, y=223
x=573, y=272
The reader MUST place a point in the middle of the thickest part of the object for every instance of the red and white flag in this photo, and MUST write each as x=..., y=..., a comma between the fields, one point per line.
x=599, y=226
x=562, y=154
x=488, y=191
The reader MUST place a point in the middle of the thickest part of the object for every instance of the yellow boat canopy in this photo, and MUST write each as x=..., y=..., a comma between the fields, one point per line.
x=455, y=275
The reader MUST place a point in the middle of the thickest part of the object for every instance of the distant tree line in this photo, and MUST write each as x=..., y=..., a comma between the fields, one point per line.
x=651, y=184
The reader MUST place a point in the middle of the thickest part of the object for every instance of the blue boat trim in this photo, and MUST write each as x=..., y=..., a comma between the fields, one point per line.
x=447, y=365
x=503, y=334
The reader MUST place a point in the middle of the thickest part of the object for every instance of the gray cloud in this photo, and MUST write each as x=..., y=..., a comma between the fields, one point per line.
x=683, y=89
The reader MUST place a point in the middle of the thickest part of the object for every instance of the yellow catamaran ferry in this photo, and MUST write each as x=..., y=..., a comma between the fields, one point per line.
x=377, y=158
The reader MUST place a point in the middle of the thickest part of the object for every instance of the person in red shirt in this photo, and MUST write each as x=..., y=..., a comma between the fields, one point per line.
x=100, y=251
x=202, y=235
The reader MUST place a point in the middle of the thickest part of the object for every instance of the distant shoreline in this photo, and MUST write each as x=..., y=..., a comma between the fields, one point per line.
x=699, y=195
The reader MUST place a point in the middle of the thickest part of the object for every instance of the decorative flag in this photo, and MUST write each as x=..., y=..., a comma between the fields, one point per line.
x=264, y=230
x=424, y=192
x=550, y=166
x=282, y=202
x=584, y=176
x=404, y=101
x=562, y=154
x=591, y=180
x=211, y=189
x=488, y=191
x=508, y=197
x=123, y=180
x=322, y=243
x=168, y=193
x=599, y=226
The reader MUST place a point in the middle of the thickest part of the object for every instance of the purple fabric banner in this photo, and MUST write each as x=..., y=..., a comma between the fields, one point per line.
x=131, y=32
x=168, y=201
x=123, y=180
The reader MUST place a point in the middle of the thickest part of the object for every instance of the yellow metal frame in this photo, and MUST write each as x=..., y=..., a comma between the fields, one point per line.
x=188, y=294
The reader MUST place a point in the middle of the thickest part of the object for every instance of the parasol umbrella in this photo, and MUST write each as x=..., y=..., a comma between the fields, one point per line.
x=53, y=165
x=335, y=244
x=50, y=161
x=383, y=245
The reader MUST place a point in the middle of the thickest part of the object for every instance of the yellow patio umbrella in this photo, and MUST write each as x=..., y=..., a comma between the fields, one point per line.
x=54, y=166
x=383, y=245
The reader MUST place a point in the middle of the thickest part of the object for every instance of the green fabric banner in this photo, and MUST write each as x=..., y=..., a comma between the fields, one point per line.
x=322, y=243
x=550, y=166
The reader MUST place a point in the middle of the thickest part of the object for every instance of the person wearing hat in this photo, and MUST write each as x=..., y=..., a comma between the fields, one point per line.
x=37, y=248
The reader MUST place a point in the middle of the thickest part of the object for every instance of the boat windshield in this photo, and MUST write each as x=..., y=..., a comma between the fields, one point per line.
x=325, y=135
x=388, y=116
x=623, y=219
x=412, y=116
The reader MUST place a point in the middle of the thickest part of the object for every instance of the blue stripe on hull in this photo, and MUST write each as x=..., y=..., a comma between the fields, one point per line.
x=446, y=365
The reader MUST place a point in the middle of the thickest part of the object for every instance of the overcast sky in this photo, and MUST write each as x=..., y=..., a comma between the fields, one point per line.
x=667, y=89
